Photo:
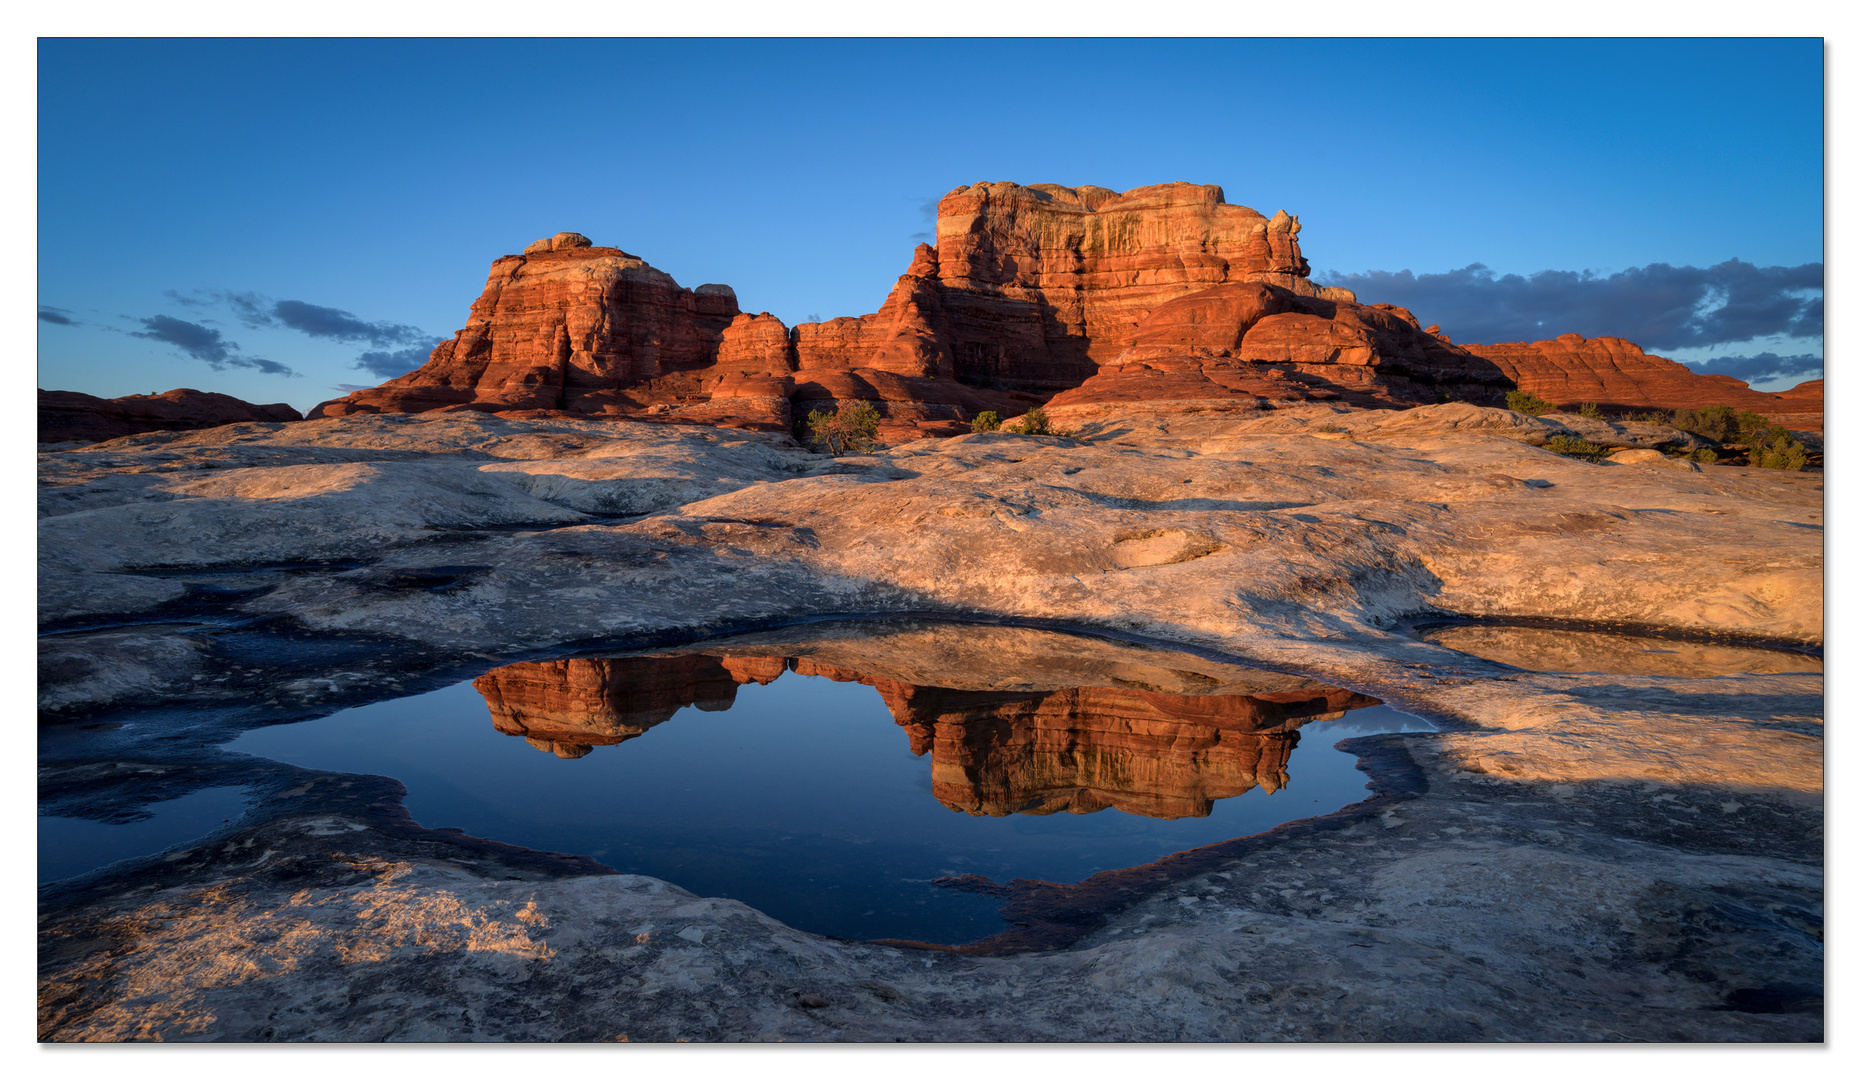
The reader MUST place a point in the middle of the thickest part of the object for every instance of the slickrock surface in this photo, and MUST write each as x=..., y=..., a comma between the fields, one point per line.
x=66, y=416
x=1571, y=856
x=1572, y=369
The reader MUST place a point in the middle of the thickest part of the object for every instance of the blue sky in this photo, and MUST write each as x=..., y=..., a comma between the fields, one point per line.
x=256, y=217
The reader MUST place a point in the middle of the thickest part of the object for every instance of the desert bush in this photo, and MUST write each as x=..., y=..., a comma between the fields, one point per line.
x=1330, y=428
x=1032, y=422
x=852, y=428
x=1570, y=446
x=1782, y=451
x=989, y=420
x=1767, y=444
x=1591, y=410
x=1705, y=455
x=1654, y=416
x=1716, y=422
x=1527, y=402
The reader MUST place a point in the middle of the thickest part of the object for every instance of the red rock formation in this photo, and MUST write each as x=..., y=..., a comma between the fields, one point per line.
x=1036, y=286
x=68, y=416
x=1572, y=370
x=1252, y=345
x=566, y=326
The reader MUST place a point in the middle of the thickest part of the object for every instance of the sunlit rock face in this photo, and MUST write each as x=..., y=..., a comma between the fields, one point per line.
x=1077, y=749
x=571, y=327
x=1030, y=289
x=1572, y=369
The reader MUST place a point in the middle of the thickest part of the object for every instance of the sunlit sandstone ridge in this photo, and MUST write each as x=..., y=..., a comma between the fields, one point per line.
x=1161, y=294
x=1572, y=369
x=1030, y=290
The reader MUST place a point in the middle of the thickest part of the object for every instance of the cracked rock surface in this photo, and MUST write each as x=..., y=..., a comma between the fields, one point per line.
x=1572, y=855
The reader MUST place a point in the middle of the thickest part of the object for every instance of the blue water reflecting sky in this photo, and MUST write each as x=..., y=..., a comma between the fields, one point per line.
x=802, y=800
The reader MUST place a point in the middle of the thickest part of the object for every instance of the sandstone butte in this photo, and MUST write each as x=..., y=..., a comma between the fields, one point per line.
x=1078, y=298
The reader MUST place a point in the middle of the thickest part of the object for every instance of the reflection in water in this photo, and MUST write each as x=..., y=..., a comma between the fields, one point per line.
x=1614, y=654
x=1079, y=749
x=772, y=769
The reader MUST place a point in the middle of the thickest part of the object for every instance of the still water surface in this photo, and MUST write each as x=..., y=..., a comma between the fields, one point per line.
x=803, y=798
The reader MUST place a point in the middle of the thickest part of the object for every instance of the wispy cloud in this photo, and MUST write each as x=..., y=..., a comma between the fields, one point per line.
x=1656, y=306
x=1762, y=368
x=56, y=316
x=205, y=344
x=260, y=312
x=400, y=362
x=927, y=209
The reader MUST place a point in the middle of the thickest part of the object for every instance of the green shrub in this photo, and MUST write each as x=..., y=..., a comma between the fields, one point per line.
x=1329, y=428
x=1767, y=444
x=1033, y=422
x=1591, y=410
x=1528, y=403
x=1655, y=416
x=852, y=428
x=1782, y=451
x=1705, y=455
x=1574, y=447
x=1716, y=422
x=986, y=421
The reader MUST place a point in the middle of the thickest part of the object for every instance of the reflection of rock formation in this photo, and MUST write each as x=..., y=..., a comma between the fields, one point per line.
x=1087, y=748
x=1021, y=750
x=569, y=707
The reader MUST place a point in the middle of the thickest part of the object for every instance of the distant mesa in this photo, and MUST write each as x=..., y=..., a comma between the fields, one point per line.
x=1076, y=750
x=66, y=416
x=1613, y=373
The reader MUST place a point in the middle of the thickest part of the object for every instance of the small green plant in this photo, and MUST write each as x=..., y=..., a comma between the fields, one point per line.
x=1528, y=403
x=1329, y=429
x=1783, y=451
x=1654, y=416
x=1591, y=410
x=989, y=420
x=852, y=428
x=1705, y=455
x=1716, y=422
x=1033, y=422
x=1570, y=446
x=1767, y=444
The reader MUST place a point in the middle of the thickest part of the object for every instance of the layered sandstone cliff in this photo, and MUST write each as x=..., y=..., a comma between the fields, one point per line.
x=1256, y=345
x=570, y=327
x=1030, y=290
x=1083, y=298
x=1611, y=372
x=68, y=416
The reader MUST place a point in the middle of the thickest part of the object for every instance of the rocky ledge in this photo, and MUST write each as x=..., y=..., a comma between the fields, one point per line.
x=1569, y=857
